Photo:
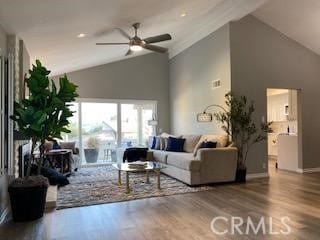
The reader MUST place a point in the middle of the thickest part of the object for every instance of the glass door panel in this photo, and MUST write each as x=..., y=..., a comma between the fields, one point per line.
x=73, y=125
x=147, y=130
x=99, y=132
x=129, y=126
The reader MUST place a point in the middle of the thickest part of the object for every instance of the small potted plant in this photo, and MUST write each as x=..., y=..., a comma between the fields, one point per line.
x=238, y=123
x=92, y=151
x=43, y=116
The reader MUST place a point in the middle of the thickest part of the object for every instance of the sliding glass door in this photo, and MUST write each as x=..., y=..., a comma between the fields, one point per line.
x=103, y=129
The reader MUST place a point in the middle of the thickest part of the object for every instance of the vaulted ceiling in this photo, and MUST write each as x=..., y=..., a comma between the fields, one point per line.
x=50, y=28
x=298, y=19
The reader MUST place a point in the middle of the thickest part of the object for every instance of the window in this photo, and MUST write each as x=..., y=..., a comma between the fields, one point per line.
x=109, y=126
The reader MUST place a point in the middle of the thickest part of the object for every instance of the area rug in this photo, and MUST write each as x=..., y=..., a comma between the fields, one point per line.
x=99, y=185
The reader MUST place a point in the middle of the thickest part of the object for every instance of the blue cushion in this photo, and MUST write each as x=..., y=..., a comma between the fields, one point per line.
x=154, y=141
x=208, y=144
x=175, y=144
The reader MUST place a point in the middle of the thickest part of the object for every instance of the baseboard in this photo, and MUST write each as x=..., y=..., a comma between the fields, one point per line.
x=256, y=175
x=308, y=170
x=5, y=215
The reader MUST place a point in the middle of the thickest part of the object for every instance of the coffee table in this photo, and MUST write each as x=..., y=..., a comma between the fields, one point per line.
x=150, y=166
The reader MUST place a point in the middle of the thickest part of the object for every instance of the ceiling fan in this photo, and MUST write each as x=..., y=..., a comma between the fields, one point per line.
x=136, y=43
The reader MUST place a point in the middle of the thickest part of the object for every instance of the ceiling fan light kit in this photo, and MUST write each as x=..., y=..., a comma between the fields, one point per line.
x=137, y=44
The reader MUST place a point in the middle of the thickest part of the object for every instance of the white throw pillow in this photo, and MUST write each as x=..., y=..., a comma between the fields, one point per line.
x=190, y=142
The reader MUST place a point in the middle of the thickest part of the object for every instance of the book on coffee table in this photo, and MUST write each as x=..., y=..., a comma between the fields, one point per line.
x=138, y=164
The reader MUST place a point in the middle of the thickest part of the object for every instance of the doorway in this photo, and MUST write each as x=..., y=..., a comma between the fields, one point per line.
x=284, y=142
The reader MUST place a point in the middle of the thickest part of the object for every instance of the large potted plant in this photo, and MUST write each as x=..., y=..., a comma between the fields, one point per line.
x=92, y=151
x=43, y=116
x=238, y=123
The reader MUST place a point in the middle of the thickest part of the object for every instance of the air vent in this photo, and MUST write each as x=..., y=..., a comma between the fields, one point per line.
x=216, y=83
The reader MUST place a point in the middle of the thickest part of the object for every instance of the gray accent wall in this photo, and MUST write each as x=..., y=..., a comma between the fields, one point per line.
x=139, y=78
x=191, y=75
x=261, y=58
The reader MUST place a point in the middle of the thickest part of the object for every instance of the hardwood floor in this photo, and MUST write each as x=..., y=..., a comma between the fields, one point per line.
x=188, y=216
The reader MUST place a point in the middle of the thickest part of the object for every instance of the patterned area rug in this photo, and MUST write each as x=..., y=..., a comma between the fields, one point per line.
x=98, y=185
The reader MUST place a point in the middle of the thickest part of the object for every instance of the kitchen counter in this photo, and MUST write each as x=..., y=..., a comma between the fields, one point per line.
x=288, y=152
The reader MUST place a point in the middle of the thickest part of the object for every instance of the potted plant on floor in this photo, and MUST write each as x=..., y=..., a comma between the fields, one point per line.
x=238, y=123
x=43, y=116
x=92, y=151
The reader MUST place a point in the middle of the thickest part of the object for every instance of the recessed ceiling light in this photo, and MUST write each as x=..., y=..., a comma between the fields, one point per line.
x=183, y=14
x=82, y=35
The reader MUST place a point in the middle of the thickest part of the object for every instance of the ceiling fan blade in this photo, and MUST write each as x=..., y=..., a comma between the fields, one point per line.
x=129, y=52
x=159, y=38
x=123, y=33
x=112, y=43
x=155, y=48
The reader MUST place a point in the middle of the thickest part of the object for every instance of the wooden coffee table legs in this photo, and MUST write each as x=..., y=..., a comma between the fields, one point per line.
x=119, y=177
x=147, y=179
x=127, y=182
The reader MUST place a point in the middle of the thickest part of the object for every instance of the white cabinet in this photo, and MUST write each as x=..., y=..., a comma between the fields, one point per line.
x=293, y=105
x=277, y=108
x=288, y=152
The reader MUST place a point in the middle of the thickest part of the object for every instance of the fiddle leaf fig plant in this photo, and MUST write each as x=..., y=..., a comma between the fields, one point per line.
x=44, y=114
x=238, y=123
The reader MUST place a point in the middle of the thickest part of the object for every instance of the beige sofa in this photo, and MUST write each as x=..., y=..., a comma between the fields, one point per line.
x=197, y=166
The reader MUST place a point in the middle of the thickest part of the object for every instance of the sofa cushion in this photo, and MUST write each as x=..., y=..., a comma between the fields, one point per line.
x=190, y=143
x=175, y=144
x=222, y=141
x=160, y=156
x=167, y=135
x=184, y=161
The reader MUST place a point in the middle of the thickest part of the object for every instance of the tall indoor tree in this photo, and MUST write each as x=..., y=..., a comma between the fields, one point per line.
x=238, y=123
x=42, y=116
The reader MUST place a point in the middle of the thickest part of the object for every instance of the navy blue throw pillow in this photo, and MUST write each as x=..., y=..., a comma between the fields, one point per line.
x=208, y=144
x=175, y=144
x=154, y=140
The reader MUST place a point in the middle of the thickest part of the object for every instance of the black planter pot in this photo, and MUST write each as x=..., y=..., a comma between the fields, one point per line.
x=241, y=175
x=91, y=155
x=28, y=200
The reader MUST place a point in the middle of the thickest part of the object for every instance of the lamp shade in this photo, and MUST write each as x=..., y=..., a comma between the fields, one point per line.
x=204, y=117
x=153, y=122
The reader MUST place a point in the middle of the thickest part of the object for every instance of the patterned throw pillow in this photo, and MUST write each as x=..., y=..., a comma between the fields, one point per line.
x=158, y=143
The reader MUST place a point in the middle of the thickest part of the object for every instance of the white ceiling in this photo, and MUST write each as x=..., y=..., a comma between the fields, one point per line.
x=298, y=19
x=50, y=28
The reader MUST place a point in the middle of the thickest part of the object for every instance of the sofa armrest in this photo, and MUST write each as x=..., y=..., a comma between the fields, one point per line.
x=218, y=164
x=212, y=153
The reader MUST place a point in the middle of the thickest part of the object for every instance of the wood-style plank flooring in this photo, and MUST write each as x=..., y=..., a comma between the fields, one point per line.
x=188, y=216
